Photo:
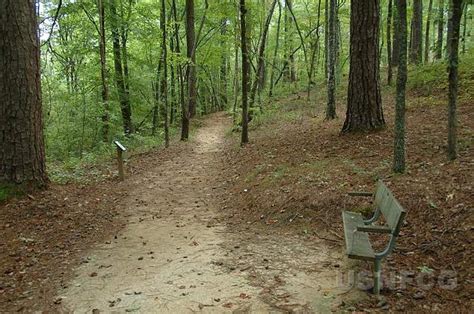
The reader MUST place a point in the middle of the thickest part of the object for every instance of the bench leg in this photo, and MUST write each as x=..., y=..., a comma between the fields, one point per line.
x=377, y=271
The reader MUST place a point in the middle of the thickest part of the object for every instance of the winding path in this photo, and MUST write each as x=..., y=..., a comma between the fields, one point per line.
x=174, y=255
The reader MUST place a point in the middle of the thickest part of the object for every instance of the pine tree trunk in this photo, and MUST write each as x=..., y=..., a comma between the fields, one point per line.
x=245, y=72
x=399, y=139
x=191, y=54
x=455, y=22
x=427, y=32
x=119, y=76
x=364, y=101
x=331, y=81
x=22, y=155
x=389, y=42
x=440, y=20
x=416, y=48
x=164, y=77
x=103, y=72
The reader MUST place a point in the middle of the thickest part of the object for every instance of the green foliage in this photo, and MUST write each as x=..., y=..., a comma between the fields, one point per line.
x=432, y=79
x=8, y=191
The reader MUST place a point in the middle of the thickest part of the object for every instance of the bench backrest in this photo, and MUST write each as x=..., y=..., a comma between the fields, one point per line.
x=390, y=208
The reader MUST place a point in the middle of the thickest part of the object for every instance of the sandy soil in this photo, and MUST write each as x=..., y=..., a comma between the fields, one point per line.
x=177, y=255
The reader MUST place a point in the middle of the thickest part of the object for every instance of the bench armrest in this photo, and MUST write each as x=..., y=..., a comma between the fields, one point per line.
x=366, y=194
x=374, y=229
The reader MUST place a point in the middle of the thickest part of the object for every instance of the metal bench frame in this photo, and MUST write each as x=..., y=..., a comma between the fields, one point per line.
x=392, y=228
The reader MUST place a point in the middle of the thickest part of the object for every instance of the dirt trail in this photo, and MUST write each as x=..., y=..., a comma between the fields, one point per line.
x=176, y=256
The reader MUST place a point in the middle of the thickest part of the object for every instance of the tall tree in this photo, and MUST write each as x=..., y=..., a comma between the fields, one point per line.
x=245, y=72
x=184, y=105
x=427, y=32
x=456, y=14
x=103, y=71
x=275, y=52
x=389, y=42
x=259, y=75
x=440, y=21
x=364, y=101
x=164, y=77
x=464, y=27
x=22, y=156
x=395, y=48
x=119, y=75
x=191, y=54
x=416, y=47
x=331, y=80
x=399, y=139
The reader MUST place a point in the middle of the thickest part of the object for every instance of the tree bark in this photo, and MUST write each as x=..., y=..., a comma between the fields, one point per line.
x=245, y=72
x=119, y=76
x=275, y=53
x=456, y=14
x=164, y=77
x=103, y=72
x=22, y=154
x=440, y=20
x=184, y=106
x=364, y=101
x=395, y=48
x=261, y=56
x=464, y=32
x=416, y=48
x=223, y=70
x=389, y=42
x=427, y=32
x=191, y=68
x=331, y=80
x=399, y=139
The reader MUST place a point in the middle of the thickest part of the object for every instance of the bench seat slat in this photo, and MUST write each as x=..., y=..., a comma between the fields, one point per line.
x=357, y=242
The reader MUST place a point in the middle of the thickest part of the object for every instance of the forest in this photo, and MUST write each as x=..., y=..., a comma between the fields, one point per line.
x=242, y=130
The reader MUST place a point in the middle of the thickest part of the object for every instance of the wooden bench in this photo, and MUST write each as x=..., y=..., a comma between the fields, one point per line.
x=356, y=229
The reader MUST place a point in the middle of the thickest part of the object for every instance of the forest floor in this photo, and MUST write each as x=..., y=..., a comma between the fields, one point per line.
x=206, y=225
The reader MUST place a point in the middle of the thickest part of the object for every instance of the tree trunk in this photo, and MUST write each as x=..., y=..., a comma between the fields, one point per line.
x=291, y=58
x=223, y=70
x=389, y=43
x=464, y=27
x=399, y=139
x=261, y=56
x=364, y=101
x=326, y=39
x=245, y=72
x=164, y=77
x=191, y=54
x=103, y=72
x=455, y=22
x=331, y=81
x=440, y=19
x=22, y=155
x=184, y=106
x=275, y=53
x=395, y=48
x=449, y=33
x=416, y=48
x=427, y=32
x=119, y=76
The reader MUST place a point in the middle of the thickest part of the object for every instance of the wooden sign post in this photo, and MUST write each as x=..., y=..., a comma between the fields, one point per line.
x=120, y=150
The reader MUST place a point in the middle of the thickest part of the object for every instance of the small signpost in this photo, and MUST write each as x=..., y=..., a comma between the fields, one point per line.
x=120, y=150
